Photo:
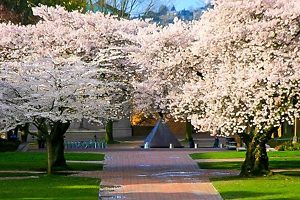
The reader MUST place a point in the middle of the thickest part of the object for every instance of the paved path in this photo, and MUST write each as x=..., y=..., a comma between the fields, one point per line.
x=154, y=175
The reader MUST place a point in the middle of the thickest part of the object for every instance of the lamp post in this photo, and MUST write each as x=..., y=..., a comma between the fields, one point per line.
x=295, y=132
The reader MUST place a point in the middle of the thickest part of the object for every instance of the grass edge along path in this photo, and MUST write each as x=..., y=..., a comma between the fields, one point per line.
x=37, y=161
x=240, y=154
x=33, y=185
x=281, y=186
x=274, y=163
x=277, y=159
x=284, y=185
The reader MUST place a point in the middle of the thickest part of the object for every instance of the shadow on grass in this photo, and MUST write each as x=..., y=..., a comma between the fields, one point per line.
x=37, y=161
x=54, y=187
x=221, y=165
x=283, y=198
x=227, y=178
x=244, y=194
x=274, y=164
x=13, y=174
x=284, y=164
x=290, y=173
x=80, y=167
x=238, y=178
x=252, y=195
x=282, y=185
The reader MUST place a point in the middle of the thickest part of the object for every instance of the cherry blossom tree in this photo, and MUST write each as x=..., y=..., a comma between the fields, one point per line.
x=248, y=54
x=161, y=67
x=67, y=67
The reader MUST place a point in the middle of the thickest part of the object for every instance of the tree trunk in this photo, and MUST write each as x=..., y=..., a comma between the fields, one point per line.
x=188, y=134
x=54, y=140
x=50, y=155
x=25, y=132
x=256, y=162
x=109, y=132
x=57, y=142
x=188, y=130
x=58, y=151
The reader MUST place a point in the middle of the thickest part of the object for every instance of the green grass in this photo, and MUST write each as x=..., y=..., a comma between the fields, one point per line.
x=42, y=155
x=218, y=155
x=281, y=186
x=7, y=174
x=81, y=167
x=37, y=161
x=54, y=187
x=275, y=163
x=85, y=156
x=58, y=186
x=241, y=154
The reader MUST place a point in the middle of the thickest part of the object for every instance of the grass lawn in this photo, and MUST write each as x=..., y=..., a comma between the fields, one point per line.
x=54, y=187
x=85, y=156
x=241, y=154
x=275, y=163
x=37, y=161
x=278, y=159
x=7, y=174
x=281, y=186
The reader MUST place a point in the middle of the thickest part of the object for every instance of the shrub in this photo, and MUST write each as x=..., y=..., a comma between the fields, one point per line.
x=8, y=145
x=288, y=146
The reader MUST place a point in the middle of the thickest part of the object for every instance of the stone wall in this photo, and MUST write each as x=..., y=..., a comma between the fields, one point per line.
x=122, y=128
x=85, y=130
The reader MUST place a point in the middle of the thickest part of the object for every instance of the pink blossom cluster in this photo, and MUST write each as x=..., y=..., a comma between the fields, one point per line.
x=67, y=67
x=236, y=68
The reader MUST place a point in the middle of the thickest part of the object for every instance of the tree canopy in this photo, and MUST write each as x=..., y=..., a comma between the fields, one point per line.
x=23, y=8
x=248, y=55
x=67, y=67
x=233, y=72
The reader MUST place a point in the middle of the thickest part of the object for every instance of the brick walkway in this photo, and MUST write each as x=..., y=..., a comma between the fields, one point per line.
x=154, y=175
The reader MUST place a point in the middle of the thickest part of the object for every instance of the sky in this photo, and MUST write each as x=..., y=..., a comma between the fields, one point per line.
x=187, y=4
x=179, y=4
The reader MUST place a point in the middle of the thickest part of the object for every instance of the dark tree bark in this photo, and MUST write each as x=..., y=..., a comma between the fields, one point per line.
x=188, y=130
x=188, y=134
x=50, y=156
x=55, y=143
x=25, y=132
x=109, y=132
x=161, y=115
x=256, y=162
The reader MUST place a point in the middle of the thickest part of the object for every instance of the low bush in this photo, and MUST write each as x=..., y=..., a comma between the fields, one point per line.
x=8, y=145
x=288, y=146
